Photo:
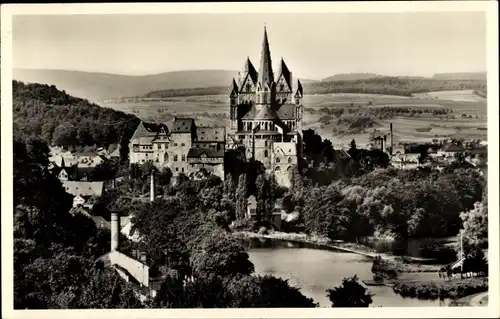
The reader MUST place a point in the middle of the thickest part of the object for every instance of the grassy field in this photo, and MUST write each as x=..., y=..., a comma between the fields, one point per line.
x=213, y=110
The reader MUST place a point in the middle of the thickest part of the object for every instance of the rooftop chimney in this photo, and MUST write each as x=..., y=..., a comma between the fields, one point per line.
x=115, y=231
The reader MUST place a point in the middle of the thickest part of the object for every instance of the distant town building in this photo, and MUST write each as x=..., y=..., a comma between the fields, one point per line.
x=265, y=109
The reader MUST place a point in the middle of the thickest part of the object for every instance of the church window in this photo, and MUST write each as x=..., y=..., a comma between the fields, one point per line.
x=249, y=87
x=282, y=87
x=176, y=158
x=183, y=158
x=233, y=101
x=265, y=153
x=297, y=101
x=289, y=160
x=277, y=159
x=277, y=168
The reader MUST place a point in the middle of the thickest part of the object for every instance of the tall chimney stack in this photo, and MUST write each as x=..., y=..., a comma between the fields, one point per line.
x=391, y=140
x=115, y=231
x=152, y=188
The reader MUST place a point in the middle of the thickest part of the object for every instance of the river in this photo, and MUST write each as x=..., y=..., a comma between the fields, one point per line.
x=314, y=271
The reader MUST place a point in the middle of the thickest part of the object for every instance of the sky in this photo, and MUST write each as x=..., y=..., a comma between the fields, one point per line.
x=313, y=46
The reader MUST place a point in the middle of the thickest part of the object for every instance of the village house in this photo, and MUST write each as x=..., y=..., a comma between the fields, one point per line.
x=405, y=160
x=83, y=192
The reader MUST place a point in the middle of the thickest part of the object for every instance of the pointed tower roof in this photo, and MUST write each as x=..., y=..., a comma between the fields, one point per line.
x=266, y=70
x=234, y=89
x=250, y=70
x=300, y=91
x=287, y=75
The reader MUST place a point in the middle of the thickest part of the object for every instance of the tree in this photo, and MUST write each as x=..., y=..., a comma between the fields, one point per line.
x=241, y=197
x=350, y=294
x=475, y=227
x=265, y=292
x=221, y=255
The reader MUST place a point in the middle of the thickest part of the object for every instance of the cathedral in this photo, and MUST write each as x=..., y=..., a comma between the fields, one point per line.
x=266, y=115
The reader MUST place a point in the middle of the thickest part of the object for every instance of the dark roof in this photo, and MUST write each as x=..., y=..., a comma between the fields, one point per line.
x=453, y=148
x=287, y=75
x=266, y=113
x=249, y=70
x=234, y=89
x=210, y=134
x=201, y=152
x=182, y=125
x=145, y=130
x=286, y=112
x=300, y=90
x=266, y=76
x=245, y=112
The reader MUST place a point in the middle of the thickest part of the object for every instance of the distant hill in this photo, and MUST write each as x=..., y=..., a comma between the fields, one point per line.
x=44, y=111
x=352, y=77
x=461, y=76
x=103, y=86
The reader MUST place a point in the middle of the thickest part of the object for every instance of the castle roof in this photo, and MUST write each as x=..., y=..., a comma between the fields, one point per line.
x=234, y=89
x=285, y=72
x=145, y=130
x=210, y=134
x=266, y=113
x=182, y=125
x=266, y=70
x=248, y=70
x=286, y=112
x=300, y=90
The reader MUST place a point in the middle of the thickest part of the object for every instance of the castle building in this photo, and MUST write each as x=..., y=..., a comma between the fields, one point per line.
x=266, y=110
x=184, y=148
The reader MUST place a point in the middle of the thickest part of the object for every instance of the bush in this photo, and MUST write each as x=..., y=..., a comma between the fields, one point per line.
x=441, y=290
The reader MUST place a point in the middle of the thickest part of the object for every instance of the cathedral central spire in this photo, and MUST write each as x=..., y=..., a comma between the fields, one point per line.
x=266, y=70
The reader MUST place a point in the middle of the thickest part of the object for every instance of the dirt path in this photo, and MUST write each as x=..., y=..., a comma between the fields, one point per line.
x=476, y=300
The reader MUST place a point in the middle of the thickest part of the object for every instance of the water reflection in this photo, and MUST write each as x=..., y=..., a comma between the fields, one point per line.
x=316, y=270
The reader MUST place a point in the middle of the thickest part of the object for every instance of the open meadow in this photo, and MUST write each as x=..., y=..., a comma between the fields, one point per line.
x=466, y=117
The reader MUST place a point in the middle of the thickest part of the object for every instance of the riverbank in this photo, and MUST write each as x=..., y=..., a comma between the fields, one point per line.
x=440, y=289
x=413, y=265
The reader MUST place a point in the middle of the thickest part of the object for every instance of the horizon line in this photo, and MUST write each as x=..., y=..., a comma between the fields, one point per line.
x=236, y=71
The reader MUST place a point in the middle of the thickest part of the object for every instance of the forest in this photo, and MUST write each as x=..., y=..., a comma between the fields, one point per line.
x=380, y=85
x=63, y=120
